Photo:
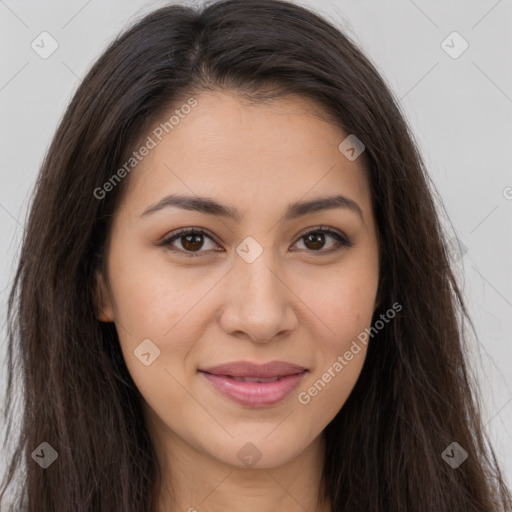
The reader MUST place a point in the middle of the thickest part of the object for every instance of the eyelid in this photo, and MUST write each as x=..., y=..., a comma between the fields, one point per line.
x=343, y=241
x=185, y=231
x=175, y=235
x=324, y=229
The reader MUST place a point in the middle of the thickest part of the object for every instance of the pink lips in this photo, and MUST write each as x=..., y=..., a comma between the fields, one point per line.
x=255, y=385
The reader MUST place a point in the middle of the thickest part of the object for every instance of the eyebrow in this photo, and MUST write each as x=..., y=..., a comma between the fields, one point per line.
x=209, y=206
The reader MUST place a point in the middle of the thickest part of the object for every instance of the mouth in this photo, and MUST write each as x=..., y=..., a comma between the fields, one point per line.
x=252, y=379
x=255, y=385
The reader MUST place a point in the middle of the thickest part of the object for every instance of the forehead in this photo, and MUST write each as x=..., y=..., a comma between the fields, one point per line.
x=239, y=151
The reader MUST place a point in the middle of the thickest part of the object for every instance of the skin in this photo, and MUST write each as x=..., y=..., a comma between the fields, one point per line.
x=294, y=303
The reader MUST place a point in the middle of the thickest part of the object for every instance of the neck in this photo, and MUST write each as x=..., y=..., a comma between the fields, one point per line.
x=195, y=482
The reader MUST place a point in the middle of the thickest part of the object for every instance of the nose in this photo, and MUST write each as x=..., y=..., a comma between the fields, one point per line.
x=259, y=305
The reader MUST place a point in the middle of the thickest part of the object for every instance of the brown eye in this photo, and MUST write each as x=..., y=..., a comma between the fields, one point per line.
x=191, y=241
x=314, y=241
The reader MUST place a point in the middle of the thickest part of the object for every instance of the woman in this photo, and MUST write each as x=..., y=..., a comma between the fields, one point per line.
x=234, y=292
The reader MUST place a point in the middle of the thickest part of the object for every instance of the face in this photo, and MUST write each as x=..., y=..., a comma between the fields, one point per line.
x=233, y=331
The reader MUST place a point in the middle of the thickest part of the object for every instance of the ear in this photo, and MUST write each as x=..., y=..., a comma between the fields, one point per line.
x=103, y=301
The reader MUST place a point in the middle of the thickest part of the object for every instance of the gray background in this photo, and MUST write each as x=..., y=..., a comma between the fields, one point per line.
x=460, y=110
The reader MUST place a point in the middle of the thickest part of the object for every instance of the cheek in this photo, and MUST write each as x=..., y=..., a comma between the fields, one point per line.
x=345, y=305
x=154, y=302
x=327, y=390
x=151, y=296
x=343, y=302
x=345, y=312
x=339, y=357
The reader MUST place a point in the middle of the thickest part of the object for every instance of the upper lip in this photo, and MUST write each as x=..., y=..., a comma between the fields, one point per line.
x=247, y=369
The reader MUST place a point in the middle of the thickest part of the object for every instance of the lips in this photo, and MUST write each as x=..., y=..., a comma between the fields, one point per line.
x=255, y=385
x=242, y=369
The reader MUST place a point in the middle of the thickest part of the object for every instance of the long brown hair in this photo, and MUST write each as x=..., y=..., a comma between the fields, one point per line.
x=415, y=395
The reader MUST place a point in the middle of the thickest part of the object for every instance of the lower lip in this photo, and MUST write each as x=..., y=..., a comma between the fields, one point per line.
x=255, y=394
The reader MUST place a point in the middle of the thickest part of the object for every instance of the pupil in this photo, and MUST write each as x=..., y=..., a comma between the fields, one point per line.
x=317, y=240
x=190, y=240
